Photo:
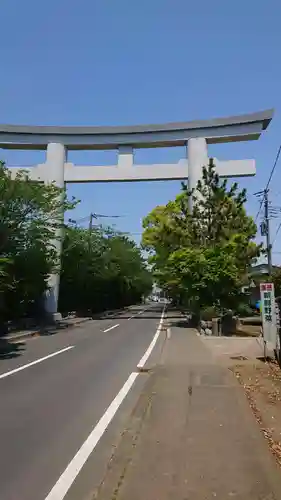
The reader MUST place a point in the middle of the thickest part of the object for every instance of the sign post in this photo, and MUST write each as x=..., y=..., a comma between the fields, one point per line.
x=268, y=310
x=277, y=309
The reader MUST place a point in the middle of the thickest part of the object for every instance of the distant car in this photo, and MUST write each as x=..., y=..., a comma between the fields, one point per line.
x=162, y=300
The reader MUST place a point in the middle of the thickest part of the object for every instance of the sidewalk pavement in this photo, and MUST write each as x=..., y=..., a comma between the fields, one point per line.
x=191, y=435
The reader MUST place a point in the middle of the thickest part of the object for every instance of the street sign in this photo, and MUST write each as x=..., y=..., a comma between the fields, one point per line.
x=268, y=311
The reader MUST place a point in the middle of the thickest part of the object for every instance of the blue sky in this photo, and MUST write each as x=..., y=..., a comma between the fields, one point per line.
x=105, y=62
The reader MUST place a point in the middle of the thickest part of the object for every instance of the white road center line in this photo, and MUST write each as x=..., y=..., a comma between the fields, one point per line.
x=152, y=344
x=111, y=328
x=135, y=315
x=141, y=312
x=11, y=372
x=65, y=481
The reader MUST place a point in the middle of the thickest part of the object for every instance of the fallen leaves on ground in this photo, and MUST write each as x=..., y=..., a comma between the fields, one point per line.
x=262, y=384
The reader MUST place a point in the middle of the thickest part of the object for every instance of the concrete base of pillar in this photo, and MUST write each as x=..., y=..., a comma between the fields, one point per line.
x=54, y=317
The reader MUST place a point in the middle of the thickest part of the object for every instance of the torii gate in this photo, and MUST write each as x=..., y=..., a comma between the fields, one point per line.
x=195, y=135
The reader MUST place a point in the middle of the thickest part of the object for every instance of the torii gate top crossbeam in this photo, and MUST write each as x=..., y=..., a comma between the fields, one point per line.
x=218, y=130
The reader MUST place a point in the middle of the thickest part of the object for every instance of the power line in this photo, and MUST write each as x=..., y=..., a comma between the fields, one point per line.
x=277, y=231
x=268, y=182
x=92, y=216
x=98, y=216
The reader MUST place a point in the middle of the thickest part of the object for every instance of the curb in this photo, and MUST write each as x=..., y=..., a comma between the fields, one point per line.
x=40, y=333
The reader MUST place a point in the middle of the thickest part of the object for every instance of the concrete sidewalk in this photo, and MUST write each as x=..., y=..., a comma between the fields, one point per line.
x=192, y=435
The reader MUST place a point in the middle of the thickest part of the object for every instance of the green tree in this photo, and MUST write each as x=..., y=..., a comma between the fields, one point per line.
x=101, y=270
x=276, y=278
x=202, y=257
x=29, y=219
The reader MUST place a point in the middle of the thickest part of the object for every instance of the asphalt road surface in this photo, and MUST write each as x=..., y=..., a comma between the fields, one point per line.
x=64, y=400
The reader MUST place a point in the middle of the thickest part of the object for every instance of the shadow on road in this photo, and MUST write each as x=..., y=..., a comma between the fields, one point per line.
x=183, y=323
x=140, y=316
x=9, y=350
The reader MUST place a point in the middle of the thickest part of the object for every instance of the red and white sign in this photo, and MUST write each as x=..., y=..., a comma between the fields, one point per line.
x=268, y=311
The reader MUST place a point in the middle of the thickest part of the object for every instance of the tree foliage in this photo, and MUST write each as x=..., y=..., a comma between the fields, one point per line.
x=101, y=270
x=276, y=278
x=202, y=257
x=29, y=219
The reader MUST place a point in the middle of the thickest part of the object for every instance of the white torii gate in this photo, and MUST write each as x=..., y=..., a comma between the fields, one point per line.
x=195, y=135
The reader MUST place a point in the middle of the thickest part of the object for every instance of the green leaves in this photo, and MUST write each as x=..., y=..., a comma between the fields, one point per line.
x=202, y=256
x=29, y=218
x=101, y=270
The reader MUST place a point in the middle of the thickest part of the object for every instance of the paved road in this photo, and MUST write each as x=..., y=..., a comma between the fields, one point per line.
x=49, y=407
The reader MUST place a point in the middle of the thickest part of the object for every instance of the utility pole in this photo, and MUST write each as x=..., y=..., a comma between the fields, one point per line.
x=92, y=216
x=91, y=222
x=268, y=244
x=265, y=228
x=97, y=216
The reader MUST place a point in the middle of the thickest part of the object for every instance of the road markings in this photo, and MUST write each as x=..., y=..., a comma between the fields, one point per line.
x=11, y=372
x=67, y=478
x=140, y=312
x=152, y=344
x=135, y=315
x=145, y=309
x=111, y=328
x=65, y=481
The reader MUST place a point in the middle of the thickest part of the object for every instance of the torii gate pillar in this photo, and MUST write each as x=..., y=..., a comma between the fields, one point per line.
x=197, y=154
x=55, y=160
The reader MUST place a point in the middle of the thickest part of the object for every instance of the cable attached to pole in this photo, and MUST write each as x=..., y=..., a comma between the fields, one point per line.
x=268, y=182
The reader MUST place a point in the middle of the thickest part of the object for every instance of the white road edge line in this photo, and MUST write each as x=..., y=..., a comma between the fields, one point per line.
x=65, y=481
x=111, y=328
x=152, y=344
x=11, y=372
